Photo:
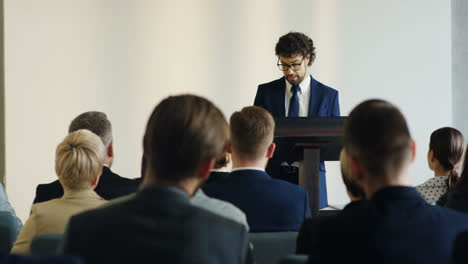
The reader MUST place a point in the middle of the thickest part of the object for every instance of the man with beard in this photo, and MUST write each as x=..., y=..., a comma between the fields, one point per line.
x=296, y=94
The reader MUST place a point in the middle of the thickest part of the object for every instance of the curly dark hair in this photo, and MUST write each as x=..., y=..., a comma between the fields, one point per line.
x=295, y=43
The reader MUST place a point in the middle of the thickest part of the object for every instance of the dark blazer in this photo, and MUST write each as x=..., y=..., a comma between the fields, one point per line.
x=396, y=226
x=323, y=102
x=308, y=236
x=457, y=200
x=110, y=186
x=216, y=176
x=460, y=250
x=158, y=224
x=269, y=204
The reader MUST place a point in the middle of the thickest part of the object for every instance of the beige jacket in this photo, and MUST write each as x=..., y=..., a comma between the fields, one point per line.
x=51, y=217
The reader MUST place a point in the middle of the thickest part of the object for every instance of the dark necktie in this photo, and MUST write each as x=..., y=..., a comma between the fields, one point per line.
x=293, y=110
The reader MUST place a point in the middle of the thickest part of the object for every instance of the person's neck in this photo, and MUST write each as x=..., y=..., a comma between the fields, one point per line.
x=190, y=186
x=372, y=187
x=441, y=172
x=68, y=191
x=239, y=163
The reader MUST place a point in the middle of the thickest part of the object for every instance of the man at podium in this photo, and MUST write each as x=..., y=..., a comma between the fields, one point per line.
x=296, y=94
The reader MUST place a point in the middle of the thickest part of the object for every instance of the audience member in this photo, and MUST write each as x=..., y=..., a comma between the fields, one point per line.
x=445, y=151
x=457, y=197
x=213, y=205
x=110, y=185
x=270, y=204
x=396, y=225
x=184, y=135
x=308, y=235
x=6, y=207
x=78, y=164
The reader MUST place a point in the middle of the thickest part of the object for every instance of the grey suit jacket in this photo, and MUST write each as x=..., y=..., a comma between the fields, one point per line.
x=219, y=207
x=159, y=224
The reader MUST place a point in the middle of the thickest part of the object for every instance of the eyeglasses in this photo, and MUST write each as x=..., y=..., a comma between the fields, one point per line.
x=285, y=67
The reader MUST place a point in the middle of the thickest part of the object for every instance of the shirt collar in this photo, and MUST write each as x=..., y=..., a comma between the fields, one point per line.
x=247, y=168
x=438, y=181
x=304, y=85
x=220, y=170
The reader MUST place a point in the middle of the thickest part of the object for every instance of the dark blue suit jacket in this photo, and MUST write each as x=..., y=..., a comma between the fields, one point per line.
x=269, y=204
x=396, y=226
x=323, y=102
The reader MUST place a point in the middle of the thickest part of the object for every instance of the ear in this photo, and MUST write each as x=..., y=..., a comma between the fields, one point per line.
x=271, y=150
x=356, y=169
x=205, y=169
x=307, y=60
x=110, y=150
x=229, y=148
x=413, y=151
x=430, y=155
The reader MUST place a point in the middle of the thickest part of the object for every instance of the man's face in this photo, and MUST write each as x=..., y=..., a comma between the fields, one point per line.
x=294, y=68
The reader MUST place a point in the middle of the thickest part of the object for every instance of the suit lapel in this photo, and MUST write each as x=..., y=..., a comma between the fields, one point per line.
x=314, y=97
x=278, y=99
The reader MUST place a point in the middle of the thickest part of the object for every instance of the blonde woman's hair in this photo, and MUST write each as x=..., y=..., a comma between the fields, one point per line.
x=79, y=159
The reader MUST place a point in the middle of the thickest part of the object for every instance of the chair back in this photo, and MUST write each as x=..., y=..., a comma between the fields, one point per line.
x=8, y=229
x=46, y=245
x=15, y=259
x=294, y=259
x=271, y=247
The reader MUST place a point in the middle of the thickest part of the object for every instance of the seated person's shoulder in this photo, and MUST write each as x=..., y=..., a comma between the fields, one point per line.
x=204, y=217
x=450, y=213
x=219, y=207
x=288, y=186
x=43, y=187
x=116, y=177
x=48, y=191
x=457, y=200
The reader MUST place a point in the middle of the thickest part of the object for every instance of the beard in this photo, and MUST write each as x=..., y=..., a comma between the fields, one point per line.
x=294, y=79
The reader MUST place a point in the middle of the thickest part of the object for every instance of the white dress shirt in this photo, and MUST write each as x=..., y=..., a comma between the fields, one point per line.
x=304, y=96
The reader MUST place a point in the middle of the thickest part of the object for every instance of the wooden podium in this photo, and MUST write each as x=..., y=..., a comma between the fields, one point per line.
x=318, y=139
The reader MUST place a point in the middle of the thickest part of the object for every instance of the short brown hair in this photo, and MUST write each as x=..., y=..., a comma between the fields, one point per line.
x=95, y=122
x=252, y=132
x=376, y=134
x=78, y=159
x=183, y=132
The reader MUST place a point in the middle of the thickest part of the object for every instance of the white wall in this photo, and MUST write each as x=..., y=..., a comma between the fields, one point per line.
x=460, y=64
x=122, y=57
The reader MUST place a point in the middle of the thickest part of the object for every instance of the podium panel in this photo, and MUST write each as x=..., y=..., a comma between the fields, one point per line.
x=313, y=140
